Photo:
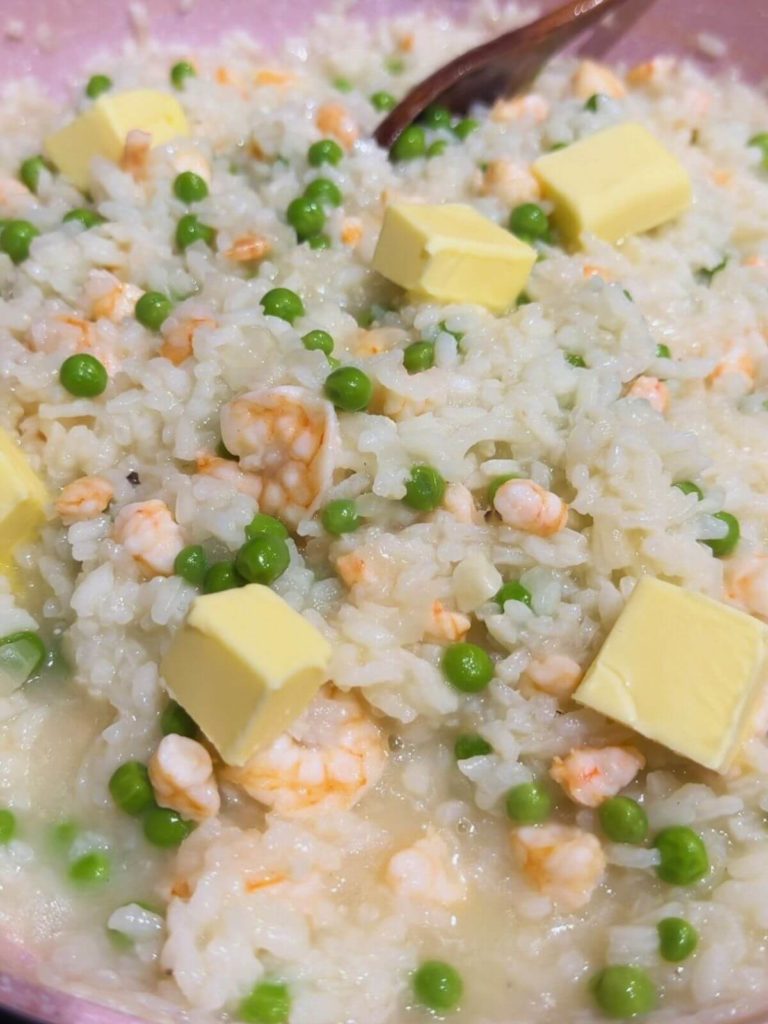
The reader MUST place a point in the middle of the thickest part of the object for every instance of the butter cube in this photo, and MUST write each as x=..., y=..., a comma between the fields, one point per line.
x=615, y=183
x=244, y=666
x=102, y=130
x=22, y=499
x=453, y=254
x=682, y=670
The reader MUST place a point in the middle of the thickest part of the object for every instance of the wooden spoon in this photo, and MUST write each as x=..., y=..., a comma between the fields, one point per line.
x=501, y=66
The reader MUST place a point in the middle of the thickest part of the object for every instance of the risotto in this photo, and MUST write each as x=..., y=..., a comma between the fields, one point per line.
x=216, y=387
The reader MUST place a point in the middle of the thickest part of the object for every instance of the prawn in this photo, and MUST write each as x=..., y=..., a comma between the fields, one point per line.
x=591, y=78
x=334, y=119
x=326, y=761
x=445, y=624
x=136, y=150
x=288, y=438
x=181, y=773
x=590, y=775
x=747, y=584
x=150, y=534
x=511, y=182
x=84, y=498
x=110, y=298
x=424, y=872
x=651, y=390
x=555, y=674
x=229, y=472
x=179, y=341
x=248, y=249
x=560, y=861
x=526, y=506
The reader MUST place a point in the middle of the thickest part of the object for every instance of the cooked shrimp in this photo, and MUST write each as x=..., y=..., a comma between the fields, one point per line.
x=747, y=583
x=84, y=499
x=148, y=532
x=529, y=107
x=654, y=71
x=591, y=78
x=327, y=760
x=354, y=569
x=288, y=438
x=334, y=119
x=651, y=390
x=446, y=624
x=248, y=249
x=110, y=298
x=555, y=674
x=459, y=502
x=735, y=374
x=14, y=196
x=424, y=872
x=179, y=340
x=271, y=76
x=526, y=506
x=560, y=861
x=755, y=261
x=351, y=231
x=136, y=150
x=229, y=472
x=590, y=775
x=511, y=182
x=181, y=773
x=372, y=341
x=590, y=270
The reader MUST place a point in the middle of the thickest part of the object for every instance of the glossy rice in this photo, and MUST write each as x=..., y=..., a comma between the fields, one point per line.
x=316, y=899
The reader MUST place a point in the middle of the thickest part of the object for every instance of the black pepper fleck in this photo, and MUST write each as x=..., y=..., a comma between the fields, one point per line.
x=133, y=478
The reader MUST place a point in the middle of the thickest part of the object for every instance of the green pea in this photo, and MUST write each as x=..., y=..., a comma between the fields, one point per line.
x=622, y=991
x=496, y=483
x=181, y=72
x=469, y=744
x=96, y=85
x=467, y=667
x=677, y=939
x=90, y=869
x=705, y=274
x=62, y=836
x=419, y=356
x=594, y=101
x=341, y=516
x=436, y=148
x=410, y=144
x=318, y=341
x=723, y=546
x=263, y=559
x=438, y=985
x=82, y=215
x=663, y=352
x=333, y=362
x=190, y=187
x=165, y=828
x=130, y=787
x=465, y=127
x=153, y=309
x=282, y=303
x=83, y=375
x=395, y=65
x=221, y=576
x=262, y=525
x=557, y=145
x=324, y=192
x=513, y=591
x=342, y=84
x=306, y=217
x=688, y=487
x=321, y=241
x=424, y=489
x=175, y=720
x=30, y=170
x=761, y=142
x=623, y=820
x=268, y=1003
x=191, y=564
x=326, y=151
x=436, y=116
x=383, y=100
x=190, y=230
x=349, y=388
x=528, y=803
x=458, y=335
x=16, y=239
x=576, y=360
x=21, y=656
x=684, y=858
x=7, y=825
x=529, y=221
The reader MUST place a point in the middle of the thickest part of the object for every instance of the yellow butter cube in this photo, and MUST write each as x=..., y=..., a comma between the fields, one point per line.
x=682, y=670
x=22, y=499
x=615, y=183
x=244, y=666
x=102, y=129
x=452, y=253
